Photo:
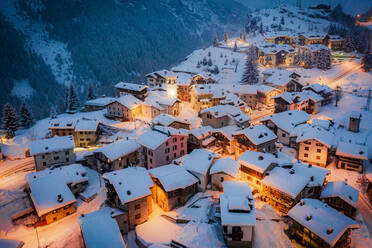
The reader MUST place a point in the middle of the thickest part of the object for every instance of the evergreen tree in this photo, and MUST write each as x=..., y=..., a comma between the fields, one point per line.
x=209, y=62
x=244, y=35
x=91, y=94
x=221, y=55
x=323, y=59
x=198, y=64
x=226, y=62
x=367, y=62
x=209, y=53
x=252, y=52
x=9, y=121
x=251, y=75
x=25, y=116
x=225, y=37
x=282, y=21
x=307, y=59
x=216, y=70
x=204, y=62
x=67, y=99
x=215, y=40
x=349, y=43
x=235, y=47
x=73, y=100
x=261, y=28
x=53, y=113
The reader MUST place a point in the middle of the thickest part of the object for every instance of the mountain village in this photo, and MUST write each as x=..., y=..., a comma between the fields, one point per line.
x=252, y=142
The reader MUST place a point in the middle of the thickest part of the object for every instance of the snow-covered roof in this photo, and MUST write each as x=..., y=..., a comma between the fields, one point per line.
x=225, y=165
x=130, y=86
x=199, y=161
x=226, y=110
x=314, y=35
x=166, y=120
x=161, y=73
x=62, y=123
x=299, y=129
x=286, y=181
x=237, y=204
x=55, y=144
x=248, y=89
x=257, y=161
x=102, y=101
x=99, y=229
x=266, y=89
x=323, y=136
x=342, y=190
x=159, y=98
x=315, y=174
x=227, y=131
x=316, y=47
x=287, y=120
x=319, y=88
x=269, y=48
x=321, y=219
x=152, y=139
x=335, y=38
x=280, y=77
x=184, y=78
x=355, y=115
x=49, y=193
x=129, y=101
x=280, y=34
x=118, y=149
x=173, y=177
x=72, y=174
x=131, y=183
x=201, y=132
x=326, y=124
x=299, y=97
x=10, y=243
x=86, y=125
x=257, y=134
x=208, y=141
x=351, y=150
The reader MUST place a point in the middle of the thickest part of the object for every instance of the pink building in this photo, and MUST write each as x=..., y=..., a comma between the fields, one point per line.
x=162, y=145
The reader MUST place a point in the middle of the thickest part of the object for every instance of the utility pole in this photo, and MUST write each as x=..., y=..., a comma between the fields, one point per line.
x=368, y=104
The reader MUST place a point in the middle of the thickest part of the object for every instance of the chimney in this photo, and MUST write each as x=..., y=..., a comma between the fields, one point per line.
x=59, y=198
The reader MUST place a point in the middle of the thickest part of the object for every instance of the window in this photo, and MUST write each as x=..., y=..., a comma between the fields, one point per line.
x=150, y=160
x=56, y=157
x=306, y=148
x=182, y=138
x=137, y=216
x=167, y=150
x=306, y=155
x=318, y=150
x=167, y=157
x=221, y=179
x=42, y=156
x=174, y=148
x=181, y=145
x=318, y=157
x=44, y=164
x=166, y=143
x=175, y=139
x=283, y=135
x=174, y=155
x=182, y=152
x=67, y=159
x=138, y=206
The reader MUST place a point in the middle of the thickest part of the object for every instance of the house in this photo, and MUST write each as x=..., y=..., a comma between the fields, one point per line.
x=197, y=137
x=118, y=155
x=315, y=50
x=282, y=124
x=283, y=188
x=137, y=90
x=351, y=156
x=198, y=163
x=315, y=145
x=97, y=104
x=159, y=102
x=313, y=38
x=335, y=42
x=307, y=101
x=237, y=214
x=55, y=151
x=254, y=138
x=86, y=132
x=283, y=80
x=280, y=37
x=62, y=127
x=206, y=96
x=248, y=93
x=224, y=115
x=105, y=234
x=315, y=224
x=171, y=121
x=273, y=55
x=222, y=141
x=161, y=146
x=173, y=186
x=158, y=78
x=266, y=93
x=341, y=196
x=130, y=191
x=184, y=82
x=125, y=108
x=323, y=90
x=74, y=175
x=254, y=166
x=51, y=198
x=223, y=169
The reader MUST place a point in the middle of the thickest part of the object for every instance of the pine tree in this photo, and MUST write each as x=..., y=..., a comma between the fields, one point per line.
x=91, y=94
x=251, y=75
x=204, y=62
x=25, y=116
x=252, y=52
x=216, y=70
x=198, y=64
x=323, y=59
x=261, y=28
x=67, y=99
x=367, y=62
x=209, y=62
x=9, y=121
x=282, y=21
x=53, y=113
x=235, y=47
x=307, y=60
x=74, y=101
x=225, y=37
x=209, y=53
x=349, y=43
x=226, y=62
x=215, y=40
x=244, y=35
x=221, y=55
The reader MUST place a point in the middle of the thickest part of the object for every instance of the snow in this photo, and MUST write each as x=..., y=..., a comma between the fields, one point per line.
x=269, y=48
x=325, y=137
x=152, y=139
x=201, y=132
x=316, y=47
x=342, y=190
x=257, y=161
x=131, y=183
x=287, y=120
x=130, y=86
x=55, y=144
x=22, y=89
x=225, y=165
x=86, y=125
x=258, y=134
x=208, y=141
x=199, y=161
x=227, y=110
x=118, y=149
x=102, y=102
x=129, y=101
x=352, y=151
x=323, y=218
x=105, y=234
x=279, y=77
x=173, y=177
x=316, y=174
x=166, y=120
x=10, y=243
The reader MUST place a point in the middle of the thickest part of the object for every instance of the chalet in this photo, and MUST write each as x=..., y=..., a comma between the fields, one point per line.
x=280, y=38
x=51, y=197
x=237, y=214
x=184, y=83
x=283, y=188
x=161, y=146
x=171, y=121
x=283, y=123
x=248, y=93
x=351, y=156
x=283, y=80
x=323, y=90
x=315, y=145
x=307, y=101
x=341, y=196
x=205, y=96
x=160, y=103
x=314, y=50
x=62, y=127
x=105, y=234
x=254, y=138
x=297, y=131
x=222, y=141
x=313, y=38
x=130, y=191
x=158, y=78
x=118, y=155
x=272, y=55
x=223, y=169
x=198, y=163
x=335, y=42
x=173, y=186
x=125, y=108
x=55, y=151
x=224, y=115
x=86, y=132
x=197, y=137
x=254, y=166
x=137, y=90
x=266, y=93
x=315, y=224
x=97, y=104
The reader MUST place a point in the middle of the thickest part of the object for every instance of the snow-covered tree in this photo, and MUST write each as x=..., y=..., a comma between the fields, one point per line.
x=209, y=62
x=261, y=28
x=25, y=116
x=323, y=60
x=235, y=47
x=221, y=55
x=205, y=61
x=226, y=62
x=282, y=21
x=251, y=75
x=73, y=99
x=215, y=40
x=225, y=37
x=198, y=64
x=349, y=45
x=367, y=62
x=307, y=59
x=53, y=113
x=91, y=94
x=9, y=121
x=209, y=53
x=215, y=70
x=252, y=52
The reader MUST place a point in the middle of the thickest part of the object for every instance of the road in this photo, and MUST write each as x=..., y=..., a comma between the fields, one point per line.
x=23, y=166
x=347, y=69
